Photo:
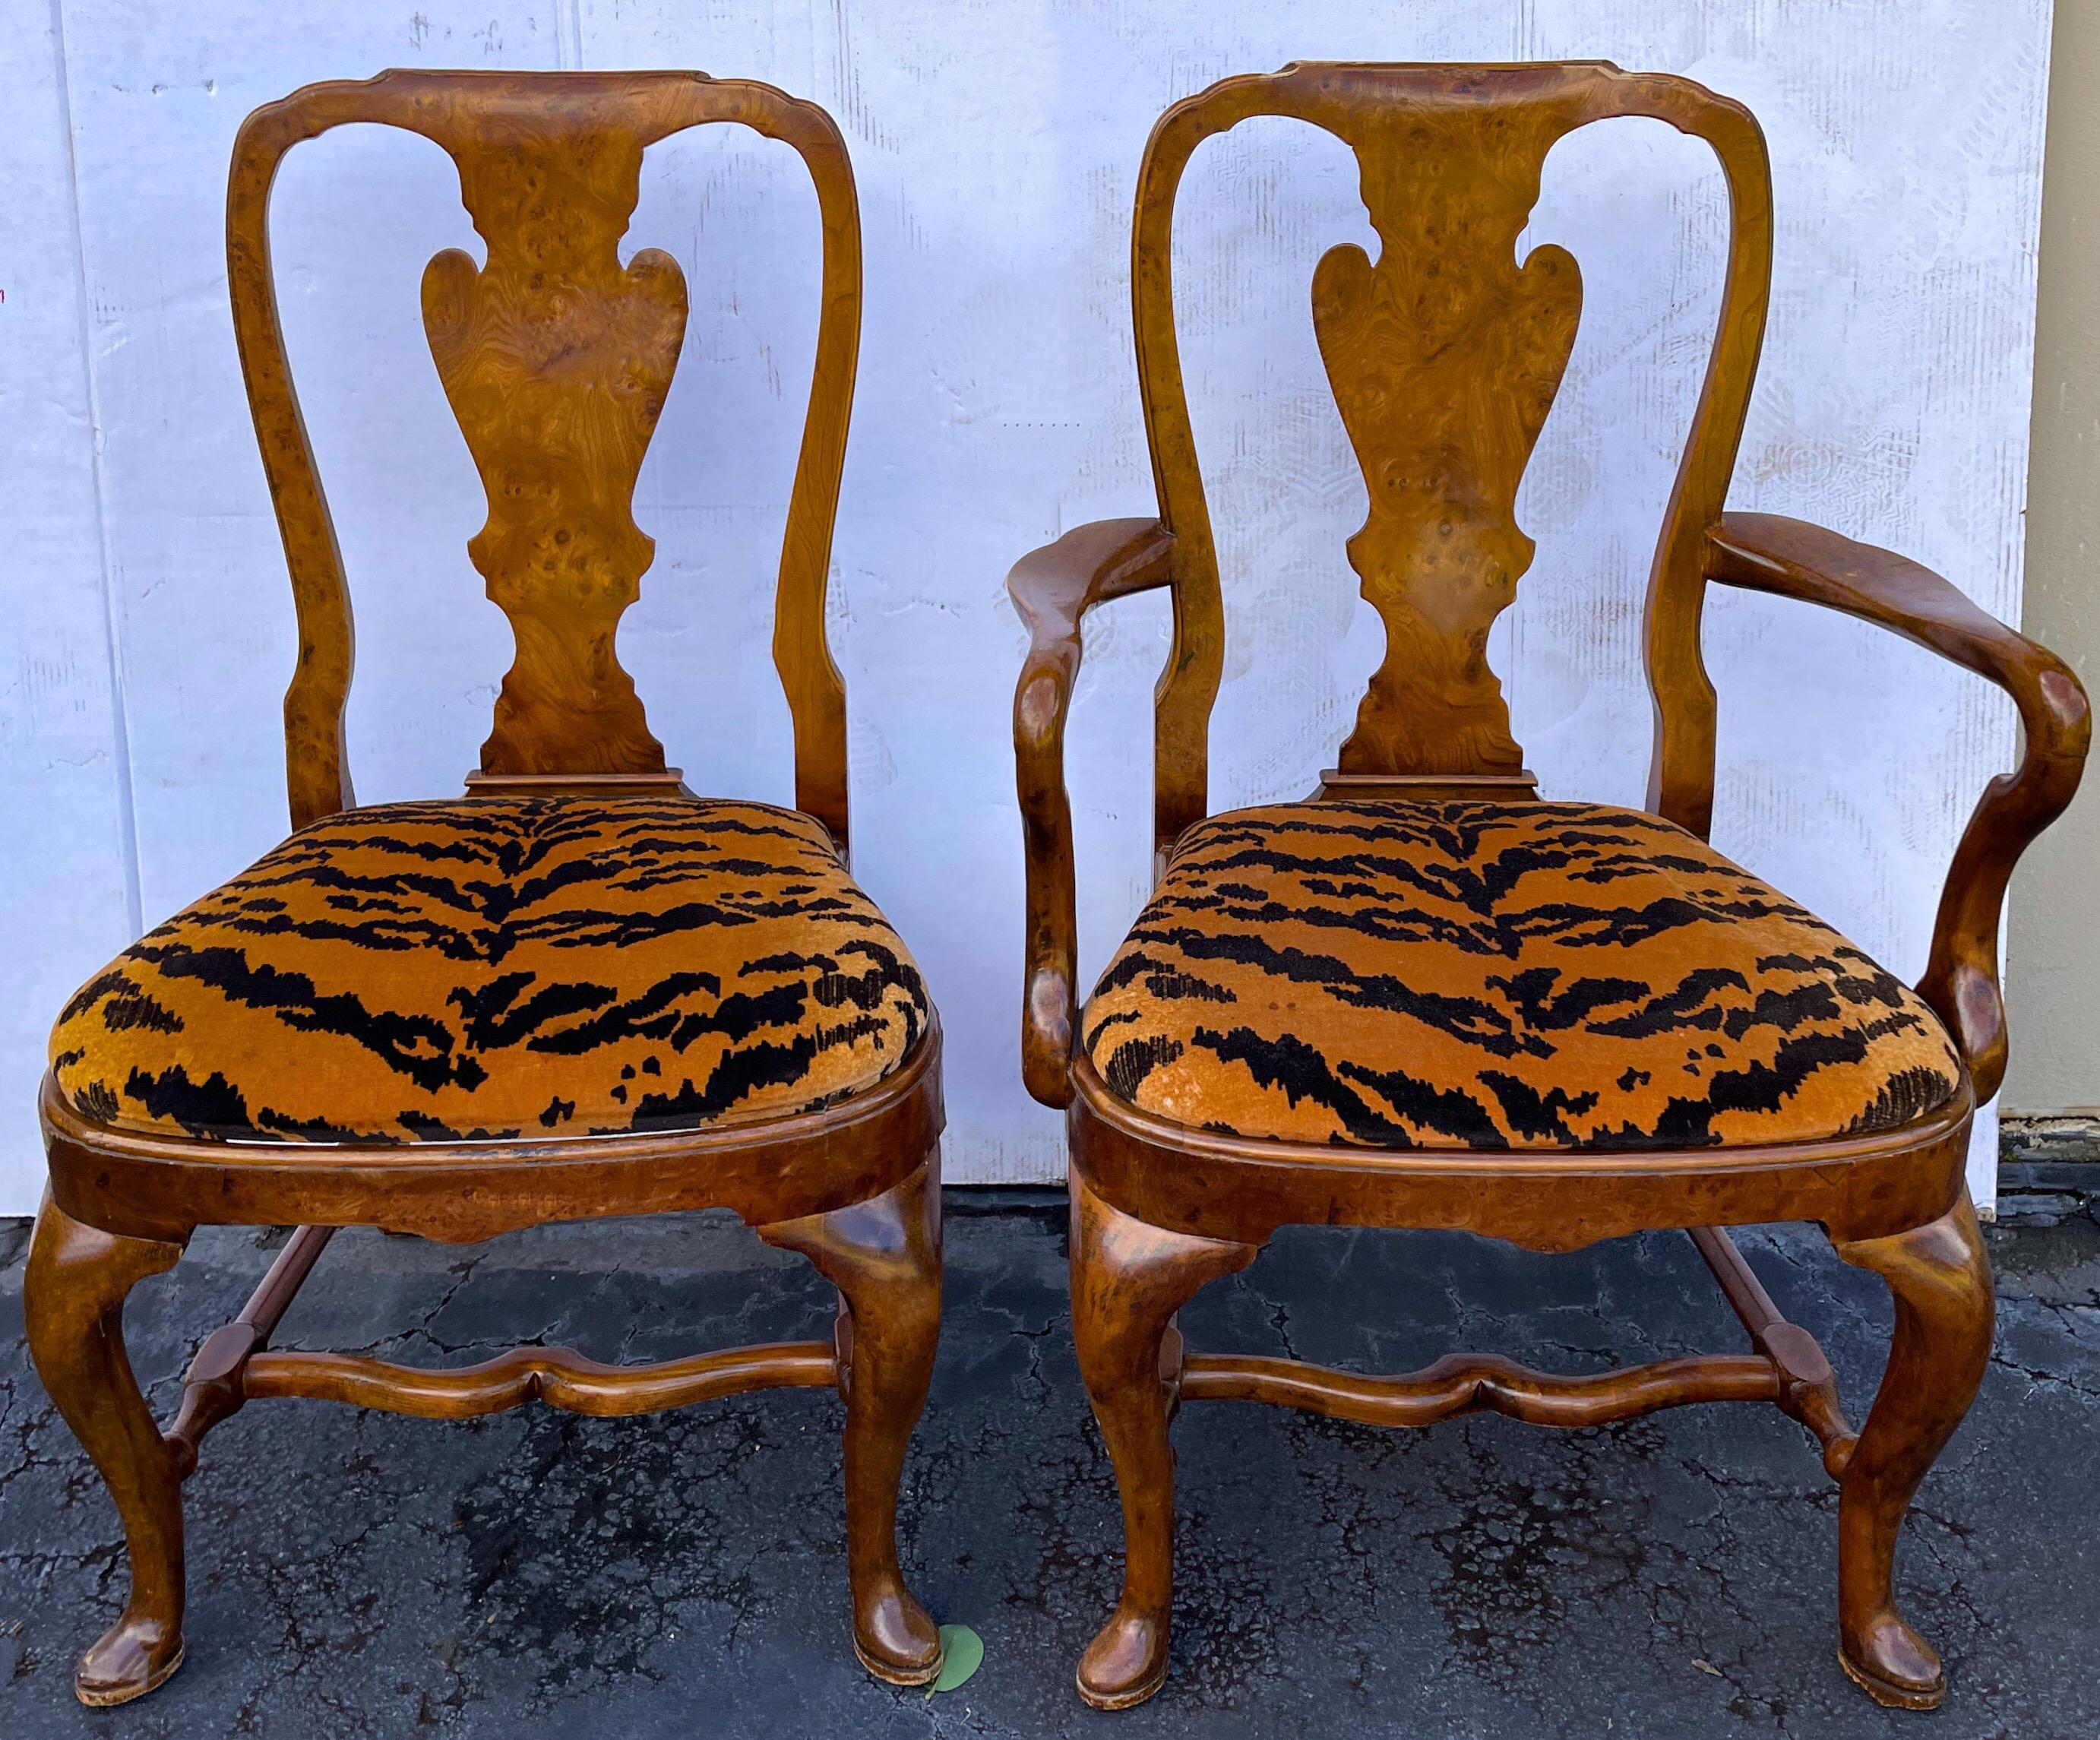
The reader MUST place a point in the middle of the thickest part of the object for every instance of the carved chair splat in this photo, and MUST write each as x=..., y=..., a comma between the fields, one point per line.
x=811, y=1107
x=1292, y=1033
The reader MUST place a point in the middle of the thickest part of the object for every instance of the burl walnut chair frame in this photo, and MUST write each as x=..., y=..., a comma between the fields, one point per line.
x=1160, y=1208
x=855, y=1187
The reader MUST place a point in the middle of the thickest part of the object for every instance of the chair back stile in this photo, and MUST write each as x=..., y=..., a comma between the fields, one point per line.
x=555, y=359
x=1445, y=354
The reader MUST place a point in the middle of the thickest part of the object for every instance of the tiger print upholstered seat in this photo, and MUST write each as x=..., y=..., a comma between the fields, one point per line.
x=501, y=967
x=1503, y=976
x=1427, y=1000
x=578, y=993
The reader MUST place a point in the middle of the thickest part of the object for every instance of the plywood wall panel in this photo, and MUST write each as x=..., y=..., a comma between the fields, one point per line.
x=67, y=875
x=205, y=625
x=995, y=148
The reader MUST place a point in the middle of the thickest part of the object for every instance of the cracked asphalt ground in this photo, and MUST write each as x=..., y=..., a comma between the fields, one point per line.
x=355, y=1573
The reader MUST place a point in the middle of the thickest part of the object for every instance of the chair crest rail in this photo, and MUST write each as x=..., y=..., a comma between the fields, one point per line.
x=556, y=358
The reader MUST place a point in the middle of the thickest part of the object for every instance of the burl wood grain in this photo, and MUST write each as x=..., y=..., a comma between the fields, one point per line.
x=1939, y=1278
x=73, y=1298
x=556, y=360
x=1444, y=353
x=1768, y=553
x=1053, y=589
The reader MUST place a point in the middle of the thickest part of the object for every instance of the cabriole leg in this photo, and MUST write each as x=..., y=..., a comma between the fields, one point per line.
x=1941, y=1281
x=73, y=1297
x=884, y=1255
x=1128, y=1279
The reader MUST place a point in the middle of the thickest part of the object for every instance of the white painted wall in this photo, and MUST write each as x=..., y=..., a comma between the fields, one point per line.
x=68, y=878
x=148, y=623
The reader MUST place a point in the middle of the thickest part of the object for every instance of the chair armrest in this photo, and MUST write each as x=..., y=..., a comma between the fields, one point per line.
x=1766, y=553
x=1053, y=588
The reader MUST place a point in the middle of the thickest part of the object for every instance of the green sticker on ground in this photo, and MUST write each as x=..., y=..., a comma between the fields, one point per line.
x=962, y=1653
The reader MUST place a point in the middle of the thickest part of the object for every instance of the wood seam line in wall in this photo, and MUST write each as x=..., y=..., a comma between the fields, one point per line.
x=127, y=812
x=569, y=35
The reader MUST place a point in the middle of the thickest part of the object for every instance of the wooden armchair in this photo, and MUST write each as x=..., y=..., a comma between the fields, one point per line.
x=578, y=991
x=1425, y=997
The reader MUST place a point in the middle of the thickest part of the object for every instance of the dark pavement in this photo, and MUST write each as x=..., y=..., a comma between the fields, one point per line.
x=537, y=1574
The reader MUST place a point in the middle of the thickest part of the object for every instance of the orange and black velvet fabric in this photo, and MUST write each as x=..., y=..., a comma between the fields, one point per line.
x=492, y=968
x=1541, y=976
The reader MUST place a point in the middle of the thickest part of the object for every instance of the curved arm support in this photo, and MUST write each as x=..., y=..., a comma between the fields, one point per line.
x=1767, y=553
x=1053, y=588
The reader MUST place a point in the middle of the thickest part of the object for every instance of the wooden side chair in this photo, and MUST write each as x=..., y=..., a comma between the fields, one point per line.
x=1426, y=997
x=577, y=990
